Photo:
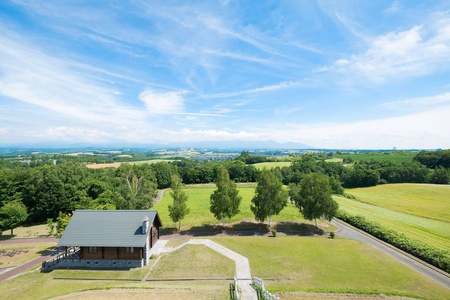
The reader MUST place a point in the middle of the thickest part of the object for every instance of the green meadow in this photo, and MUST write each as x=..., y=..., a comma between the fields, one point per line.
x=201, y=219
x=270, y=165
x=376, y=156
x=425, y=200
x=418, y=211
x=329, y=265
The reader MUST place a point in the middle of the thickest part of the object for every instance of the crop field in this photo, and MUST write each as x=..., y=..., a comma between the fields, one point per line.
x=425, y=200
x=433, y=232
x=323, y=264
x=335, y=159
x=117, y=164
x=378, y=157
x=270, y=165
x=201, y=219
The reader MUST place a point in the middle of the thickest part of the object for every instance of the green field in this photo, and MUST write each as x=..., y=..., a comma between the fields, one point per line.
x=336, y=159
x=377, y=156
x=425, y=200
x=27, y=231
x=418, y=211
x=201, y=219
x=152, y=161
x=17, y=254
x=270, y=165
x=323, y=264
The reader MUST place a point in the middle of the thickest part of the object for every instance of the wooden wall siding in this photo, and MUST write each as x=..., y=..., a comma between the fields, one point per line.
x=111, y=253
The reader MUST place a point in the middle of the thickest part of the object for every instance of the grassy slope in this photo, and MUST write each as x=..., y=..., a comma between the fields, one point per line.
x=426, y=200
x=270, y=165
x=432, y=232
x=311, y=263
x=200, y=215
x=33, y=251
x=30, y=231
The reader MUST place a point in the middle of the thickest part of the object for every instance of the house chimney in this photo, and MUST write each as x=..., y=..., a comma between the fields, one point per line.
x=145, y=225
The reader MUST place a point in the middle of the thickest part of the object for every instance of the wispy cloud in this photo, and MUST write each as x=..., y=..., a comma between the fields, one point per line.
x=418, y=103
x=395, y=6
x=158, y=103
x=267, y=88
x=414, y=52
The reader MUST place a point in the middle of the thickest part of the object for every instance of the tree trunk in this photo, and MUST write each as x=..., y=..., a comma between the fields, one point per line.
x=223, y=222
x=316, y=223
x=270, y=221
x=11, y=231
x=179, y=225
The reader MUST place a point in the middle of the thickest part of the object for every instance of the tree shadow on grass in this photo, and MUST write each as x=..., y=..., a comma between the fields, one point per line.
x=294, y=228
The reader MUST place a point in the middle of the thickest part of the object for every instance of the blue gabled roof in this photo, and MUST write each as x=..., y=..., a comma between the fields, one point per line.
x=108, y=228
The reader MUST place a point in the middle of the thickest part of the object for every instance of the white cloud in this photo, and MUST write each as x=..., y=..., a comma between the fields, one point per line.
x=186, y=134
x=395, y=6
x=162, y=103
x=414, y=52
x=267, y=88
x=429, y=129
x=420, y=102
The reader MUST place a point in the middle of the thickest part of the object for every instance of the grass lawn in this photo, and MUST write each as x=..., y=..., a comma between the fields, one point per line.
x=425, y=200
x=17, y=254
x=270, y=165
x=323, y=264
x=201, y=219
x=433, y=232
x=28, y=231
x=194, y=261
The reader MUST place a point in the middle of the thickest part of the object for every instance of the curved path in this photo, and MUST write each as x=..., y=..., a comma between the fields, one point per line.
x=348, y=231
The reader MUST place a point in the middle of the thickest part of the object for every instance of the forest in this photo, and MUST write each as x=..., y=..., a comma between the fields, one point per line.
x=45, y=187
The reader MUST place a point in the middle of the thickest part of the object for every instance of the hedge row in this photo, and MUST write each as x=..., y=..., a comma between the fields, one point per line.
x=436, y=257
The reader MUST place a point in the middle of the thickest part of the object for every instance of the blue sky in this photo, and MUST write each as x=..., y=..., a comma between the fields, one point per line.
x=331, y=74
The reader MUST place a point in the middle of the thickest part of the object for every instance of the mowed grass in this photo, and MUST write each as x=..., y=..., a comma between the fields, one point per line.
x=425, y=200
x=433, y=232
x=330, y=265
x=193, y=261
x=17, y=254
x=27, y=231
x=37, y=285
x=201, y=219
x=270, y=165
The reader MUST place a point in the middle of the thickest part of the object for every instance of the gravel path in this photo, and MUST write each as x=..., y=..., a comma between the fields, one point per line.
x=348, y=231
x=159, y=196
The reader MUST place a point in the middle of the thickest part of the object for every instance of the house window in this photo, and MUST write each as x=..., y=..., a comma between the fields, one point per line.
x=92, y=250
x=129, y=250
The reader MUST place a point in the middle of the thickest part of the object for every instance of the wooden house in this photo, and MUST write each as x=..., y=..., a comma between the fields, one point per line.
x=110, y=238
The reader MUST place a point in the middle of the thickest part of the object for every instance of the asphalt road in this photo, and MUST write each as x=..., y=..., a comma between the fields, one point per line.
x=347, y=231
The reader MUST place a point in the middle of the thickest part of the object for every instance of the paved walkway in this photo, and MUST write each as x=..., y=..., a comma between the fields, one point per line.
x=243, y=274
x=348, y=231
x=22, y=268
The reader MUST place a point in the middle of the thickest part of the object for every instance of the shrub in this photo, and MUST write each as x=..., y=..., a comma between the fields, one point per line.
x=274, y=232
x=436, y=257
x=332, y=234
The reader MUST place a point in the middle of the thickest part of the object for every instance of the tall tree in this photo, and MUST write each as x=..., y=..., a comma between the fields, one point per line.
x=138, y=187
x=12, y=214
x=313, y=197
x=178, y=210
x=270, y=198
x=225, y=201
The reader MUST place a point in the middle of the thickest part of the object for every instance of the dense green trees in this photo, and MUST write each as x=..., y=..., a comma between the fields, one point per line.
x=225, y=201
x=313, y=197
x=270, y=197
x=12, y=214
x=178, y=210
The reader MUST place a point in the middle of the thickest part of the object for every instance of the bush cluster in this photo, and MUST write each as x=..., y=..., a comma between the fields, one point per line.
x=436, y=257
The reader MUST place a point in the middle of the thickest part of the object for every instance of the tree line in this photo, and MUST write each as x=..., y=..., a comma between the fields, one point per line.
x=41, y=189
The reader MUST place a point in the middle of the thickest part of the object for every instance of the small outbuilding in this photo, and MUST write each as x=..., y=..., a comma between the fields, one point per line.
x=109, y=238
